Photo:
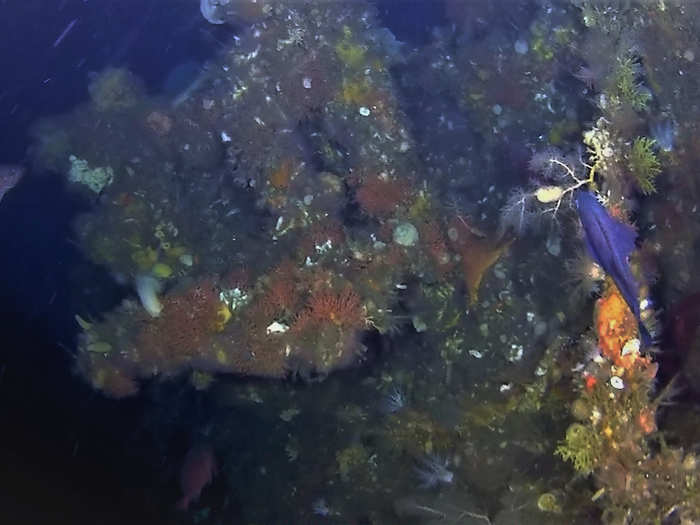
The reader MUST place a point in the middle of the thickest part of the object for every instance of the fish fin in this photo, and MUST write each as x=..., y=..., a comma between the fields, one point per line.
x=620, y=233
x=624, y=235
x=593, y=253
x=628, y=285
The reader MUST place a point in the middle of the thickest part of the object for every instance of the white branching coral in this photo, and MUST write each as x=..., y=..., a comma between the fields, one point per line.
x=519, y=213
x=556, y=178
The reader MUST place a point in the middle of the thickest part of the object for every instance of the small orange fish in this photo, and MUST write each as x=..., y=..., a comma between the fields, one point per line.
x=198, y=470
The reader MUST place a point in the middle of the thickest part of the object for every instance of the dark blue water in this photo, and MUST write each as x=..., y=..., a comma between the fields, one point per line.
x=66, y=452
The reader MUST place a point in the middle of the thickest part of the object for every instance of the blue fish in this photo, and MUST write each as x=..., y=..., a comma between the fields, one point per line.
x=610, y=243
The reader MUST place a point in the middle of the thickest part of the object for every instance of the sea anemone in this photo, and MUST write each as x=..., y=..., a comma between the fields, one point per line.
x=393, y=401
x=519, y=213
x=585, y=278
x=664, y=134
x=541, y=162
x=432, y=471
x=588, y=76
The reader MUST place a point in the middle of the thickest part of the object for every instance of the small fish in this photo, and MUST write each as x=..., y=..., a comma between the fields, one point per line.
x=10, y=175
x=198, y=469
x=610, y=243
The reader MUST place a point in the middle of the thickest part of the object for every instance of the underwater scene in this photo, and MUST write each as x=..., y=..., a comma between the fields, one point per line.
x=365, y=262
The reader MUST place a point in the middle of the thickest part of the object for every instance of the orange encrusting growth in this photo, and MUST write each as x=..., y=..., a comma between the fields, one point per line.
x=615, y=325
x=380, y=196
x=646, y=420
